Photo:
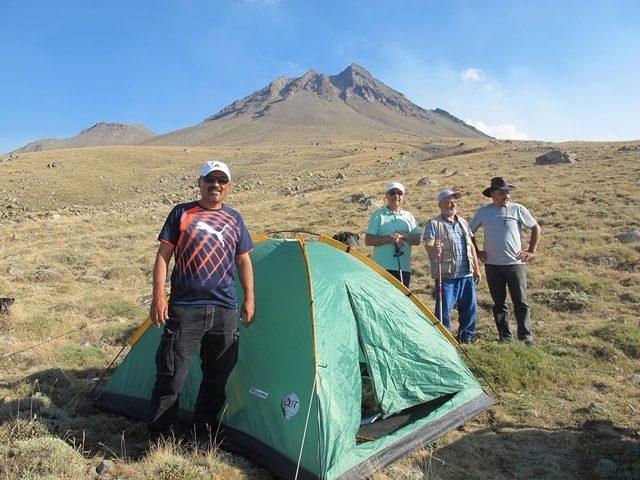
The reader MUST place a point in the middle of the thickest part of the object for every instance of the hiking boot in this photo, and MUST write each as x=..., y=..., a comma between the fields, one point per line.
x=506, y=340
x=529, y=342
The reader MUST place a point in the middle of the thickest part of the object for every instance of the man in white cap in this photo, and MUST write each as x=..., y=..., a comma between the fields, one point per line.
x=391, y=232
x=448, y=235
x=208, y=240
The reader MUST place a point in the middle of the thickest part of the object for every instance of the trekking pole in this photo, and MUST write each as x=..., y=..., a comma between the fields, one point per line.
x=397, y=254
x=440, y=285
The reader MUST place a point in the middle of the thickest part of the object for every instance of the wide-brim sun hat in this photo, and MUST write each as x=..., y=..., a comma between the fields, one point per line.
x=498, y=183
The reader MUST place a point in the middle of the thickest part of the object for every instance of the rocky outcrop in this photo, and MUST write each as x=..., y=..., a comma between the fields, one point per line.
x=556, y=157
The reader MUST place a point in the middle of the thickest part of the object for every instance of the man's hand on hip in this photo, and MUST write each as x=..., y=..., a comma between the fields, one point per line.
x=248, y=312
x=159, y=311
x=482, y=255
x=525, y=255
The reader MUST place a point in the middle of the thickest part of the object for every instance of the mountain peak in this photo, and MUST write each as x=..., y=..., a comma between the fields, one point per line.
x=100, y=134
x=354, y=87
x=355, y=68
x=105, y=126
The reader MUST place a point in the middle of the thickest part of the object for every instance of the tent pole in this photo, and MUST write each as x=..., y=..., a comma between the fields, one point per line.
x=306, y=425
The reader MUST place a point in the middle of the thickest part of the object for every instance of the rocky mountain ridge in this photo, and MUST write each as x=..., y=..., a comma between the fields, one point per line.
x=315, y=106
x=352, y=84
x=100, y=134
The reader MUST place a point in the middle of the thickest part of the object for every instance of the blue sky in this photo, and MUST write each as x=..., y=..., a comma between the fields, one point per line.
x=545, y=70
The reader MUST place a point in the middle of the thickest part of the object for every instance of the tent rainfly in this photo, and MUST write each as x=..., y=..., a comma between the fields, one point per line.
x=344, y=371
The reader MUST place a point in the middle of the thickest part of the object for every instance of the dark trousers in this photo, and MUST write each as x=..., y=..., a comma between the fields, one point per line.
x=215, y=330
x=406, y=277
x=514, y=277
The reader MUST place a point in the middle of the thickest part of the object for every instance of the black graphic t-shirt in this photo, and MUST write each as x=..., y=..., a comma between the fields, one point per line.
x=205, y=243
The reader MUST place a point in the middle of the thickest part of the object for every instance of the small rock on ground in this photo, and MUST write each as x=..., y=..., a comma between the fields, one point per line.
x=630, y=236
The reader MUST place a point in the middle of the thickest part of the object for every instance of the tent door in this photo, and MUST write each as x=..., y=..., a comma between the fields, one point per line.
x=370, y=404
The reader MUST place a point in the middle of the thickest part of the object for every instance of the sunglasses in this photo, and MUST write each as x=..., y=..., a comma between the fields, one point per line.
x=393, y=193
x=212, y=179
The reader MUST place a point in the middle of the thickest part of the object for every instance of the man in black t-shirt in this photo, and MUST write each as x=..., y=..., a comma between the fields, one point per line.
x=207, y=239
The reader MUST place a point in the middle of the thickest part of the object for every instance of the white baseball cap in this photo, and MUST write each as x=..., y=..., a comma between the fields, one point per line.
x=448, y=193
x=214, y=166
x=396, y=185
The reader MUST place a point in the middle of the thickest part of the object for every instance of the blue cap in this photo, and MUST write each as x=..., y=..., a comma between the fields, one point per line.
x=444, y=194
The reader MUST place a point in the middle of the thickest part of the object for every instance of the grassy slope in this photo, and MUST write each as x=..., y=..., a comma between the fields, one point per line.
x=92, y=261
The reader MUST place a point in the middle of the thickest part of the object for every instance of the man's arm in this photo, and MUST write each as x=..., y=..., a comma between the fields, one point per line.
x=477, y=273
x=536, y=235
x=245, y=273
x=411, y=238
x=376, y=240
x=481, y=254
x=430, y=242
x=159, y=307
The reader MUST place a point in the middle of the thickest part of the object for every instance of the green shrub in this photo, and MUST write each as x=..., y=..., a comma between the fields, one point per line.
x=81, y=357
x=118, y=334
x=624, y=337
x=20, y=429
x=563, y=300
x=76, y=259
x=41, y=457
x=123, y=309
x=630, y=296
x=513, y=367
x=172, y=466
x=579, y=282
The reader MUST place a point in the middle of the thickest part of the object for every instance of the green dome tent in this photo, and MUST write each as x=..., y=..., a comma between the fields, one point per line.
x=325, y=314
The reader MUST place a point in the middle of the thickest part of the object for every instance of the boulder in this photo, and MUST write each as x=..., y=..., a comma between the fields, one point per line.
x=104, y=467
x=5, y=305
x=607, y=262
x=630, y=236
x=596, y=408
x=359, y=198
x=425, y=181
x=373, y=204
x=555, y=157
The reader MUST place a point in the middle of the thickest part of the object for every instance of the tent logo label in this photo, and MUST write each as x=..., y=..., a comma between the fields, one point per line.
x=290, y=406
x=258, y=393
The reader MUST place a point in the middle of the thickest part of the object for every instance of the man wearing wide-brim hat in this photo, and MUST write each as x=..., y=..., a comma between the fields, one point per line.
x=504, y=257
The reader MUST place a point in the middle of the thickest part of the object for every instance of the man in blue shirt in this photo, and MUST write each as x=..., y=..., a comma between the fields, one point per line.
x=448, y=235
x=391, y=232
x=208, y=241
x=504, y=257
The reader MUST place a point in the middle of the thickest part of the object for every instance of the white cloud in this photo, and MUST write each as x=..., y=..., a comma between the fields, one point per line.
x=505, y=131
x=473, y=74
x=494, y=87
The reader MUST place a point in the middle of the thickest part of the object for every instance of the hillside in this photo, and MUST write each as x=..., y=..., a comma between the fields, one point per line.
x=350, y=105
x=78, y=254
x=100, y=134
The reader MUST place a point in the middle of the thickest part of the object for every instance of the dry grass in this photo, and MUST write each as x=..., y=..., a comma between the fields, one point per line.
x=91, y=262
